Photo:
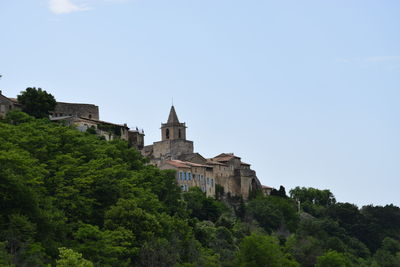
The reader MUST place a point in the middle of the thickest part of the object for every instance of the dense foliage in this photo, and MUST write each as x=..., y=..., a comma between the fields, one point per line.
x=71, y=199
x=37, y=102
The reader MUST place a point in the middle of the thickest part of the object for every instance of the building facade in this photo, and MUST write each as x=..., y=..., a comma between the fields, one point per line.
x=7, y=104
x=174, y=151
x=84, y=117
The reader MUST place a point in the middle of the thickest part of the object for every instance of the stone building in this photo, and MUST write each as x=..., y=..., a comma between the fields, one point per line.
x=108, y=130
x=173, y=141
x=88, y=111
x=189, y=174
x=175, y=152
x=84, y=117
x=7, y=104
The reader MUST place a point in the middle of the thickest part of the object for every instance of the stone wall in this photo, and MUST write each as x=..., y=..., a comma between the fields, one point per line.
x=78, y=110
x=174, y=131
x=200, y=176
x=5, y=105
x=136, y=139
x=172, y=149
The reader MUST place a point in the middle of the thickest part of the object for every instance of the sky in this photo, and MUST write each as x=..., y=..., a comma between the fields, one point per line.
x=308, y=92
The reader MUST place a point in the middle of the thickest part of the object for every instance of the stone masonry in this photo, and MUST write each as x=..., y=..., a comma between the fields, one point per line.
x=175, y=152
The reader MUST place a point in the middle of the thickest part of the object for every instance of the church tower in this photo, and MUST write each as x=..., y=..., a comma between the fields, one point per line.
x=173, y=142
x=173, y=129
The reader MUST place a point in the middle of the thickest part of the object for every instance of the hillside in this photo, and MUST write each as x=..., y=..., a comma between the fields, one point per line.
x=72, y=199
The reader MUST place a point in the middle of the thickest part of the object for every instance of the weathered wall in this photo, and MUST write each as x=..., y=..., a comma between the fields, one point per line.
x=225, y=176
x=5, y=105
x=136, y=139
x=79, y=110
x=201, y=177
x=172, y=149
x=175, y=131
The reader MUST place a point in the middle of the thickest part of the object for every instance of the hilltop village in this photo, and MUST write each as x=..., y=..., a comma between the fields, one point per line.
x=223, y=174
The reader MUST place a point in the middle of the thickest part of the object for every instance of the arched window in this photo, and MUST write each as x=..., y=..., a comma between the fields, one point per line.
x=167, y=134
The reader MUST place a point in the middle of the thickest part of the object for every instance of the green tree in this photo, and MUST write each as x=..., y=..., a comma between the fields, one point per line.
x=333, y=259
x=202, y=207
x=312, y=195
x=273, y=212
x=262, y=250
x=388, y=255
x=37, y=102
x=16, y=117
x=5, y=257
x=70, y=258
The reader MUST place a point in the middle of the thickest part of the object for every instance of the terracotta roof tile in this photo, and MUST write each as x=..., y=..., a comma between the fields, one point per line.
x=184, y=164
x=225, y=157
x=212, y=162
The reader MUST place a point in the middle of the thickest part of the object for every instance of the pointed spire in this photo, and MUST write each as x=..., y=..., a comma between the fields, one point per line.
x=172, y=118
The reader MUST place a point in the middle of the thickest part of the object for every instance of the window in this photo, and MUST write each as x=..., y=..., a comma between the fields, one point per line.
x=180, y=175
x=167, y=133
x=179, y=133
x=185, y=175
x=212, y=182
x=208, y=180
x=90, y=116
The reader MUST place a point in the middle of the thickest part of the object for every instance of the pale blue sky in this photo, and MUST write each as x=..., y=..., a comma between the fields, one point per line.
x=307, y=92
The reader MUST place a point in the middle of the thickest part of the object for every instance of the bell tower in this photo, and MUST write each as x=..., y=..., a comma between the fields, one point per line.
x=173, y=129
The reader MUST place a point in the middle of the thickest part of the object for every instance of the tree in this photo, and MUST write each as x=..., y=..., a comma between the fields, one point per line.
x=333, y=259
x=262, y=250
x=273, y=212
x=314, y=196
x=70, y=258
x=37, y=102
x=388, y=255
x=202, y=207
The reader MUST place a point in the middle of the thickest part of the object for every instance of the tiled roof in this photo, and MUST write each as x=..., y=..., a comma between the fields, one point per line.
x=83, y=104
x=191, y=156
x=87, y=119
x=60, y=118
x=15, y=101
x=105, y=122
x=212, y=162
x=177, y=163
x=184, y=164
x=225, y=157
